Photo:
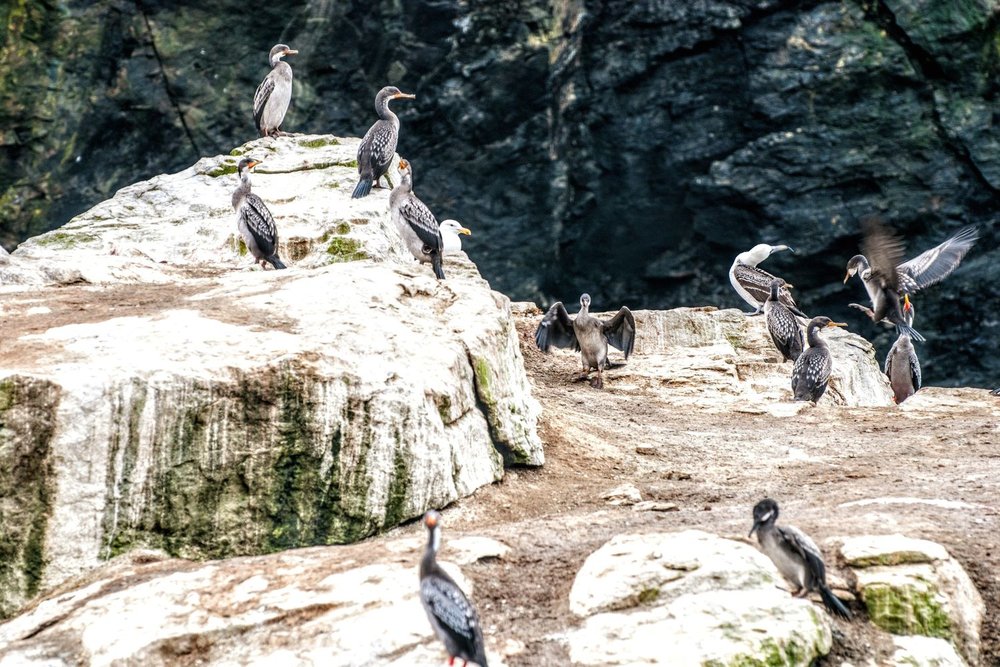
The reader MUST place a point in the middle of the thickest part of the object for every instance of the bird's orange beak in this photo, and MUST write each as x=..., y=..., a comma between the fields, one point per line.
x=836, y=324
x=405, y=96
x=403, y=164
x=847, y=277
x=907, y=306
x=430, y=520
x=253, y=163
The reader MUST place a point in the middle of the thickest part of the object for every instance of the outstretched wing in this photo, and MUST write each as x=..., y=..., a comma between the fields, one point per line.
x=620, y=331
x=260, y=98
x=884, y=251
x=932, y=266
x=422, y=222
x=260, y=223
x=556, y=328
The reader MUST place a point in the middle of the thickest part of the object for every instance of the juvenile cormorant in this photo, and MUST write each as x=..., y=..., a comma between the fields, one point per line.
x=450, y=230
x=901, y=364
x=270, y=102
x=254, y=220
x=379, y=144
x=754, y=284
x=587, y=334
x=795, y=555
x=452, y=616
x=782, y=325
x=812, y=369
x=415, y=223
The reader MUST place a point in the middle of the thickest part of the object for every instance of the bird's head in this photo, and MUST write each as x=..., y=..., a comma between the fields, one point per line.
x=585, y=301
x=403, y=166
x=823, y=322
x=279, y=51
x=432, y=519
x=765, y=512
x=455, y=227
x=855, y=264
x=394, y=93
x=246, y=164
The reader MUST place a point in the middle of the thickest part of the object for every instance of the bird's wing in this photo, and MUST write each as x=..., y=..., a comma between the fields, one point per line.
x=620, y=331
x=447, y=603
x=887, y=366
x=422, y=221
x=556, y=328
x=932, y=266
x=915, y=370
x=377, y=147
x=264, y=91
x=260, y=222
x=805, y=547
x=884, y=251
x=756, y=282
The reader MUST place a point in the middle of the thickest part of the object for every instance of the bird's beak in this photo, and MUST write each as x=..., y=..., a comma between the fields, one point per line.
x=836, y=324
x=907, y=306
x=789, y=286
x=756, y=524
x=402, y=164
x=253, y=163
x=464, y=230
x=778, y=248
x=405, y=96
x=291, y=52
x=847, y=277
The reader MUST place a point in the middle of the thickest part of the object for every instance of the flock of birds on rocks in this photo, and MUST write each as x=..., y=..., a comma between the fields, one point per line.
x=888, y=280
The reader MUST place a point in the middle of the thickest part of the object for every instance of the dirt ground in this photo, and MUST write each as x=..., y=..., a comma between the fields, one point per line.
x=714, y=468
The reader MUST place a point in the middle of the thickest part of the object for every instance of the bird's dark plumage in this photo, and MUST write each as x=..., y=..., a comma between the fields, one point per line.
x=753, y=283
x=415, y=223
x=902, y=366
x=795, y=555
x=254, y=221
x=379, y=143
x=270, y=101
x=812, y=369
x=450, y=612
x=782, y=325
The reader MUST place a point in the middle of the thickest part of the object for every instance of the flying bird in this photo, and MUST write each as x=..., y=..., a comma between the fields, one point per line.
x=270, y=102
x=254, y=221
x=379, y=144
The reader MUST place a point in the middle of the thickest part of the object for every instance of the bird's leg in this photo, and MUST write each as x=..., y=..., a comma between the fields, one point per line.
x=864, y=309
x=802, y=592
x=598, y=383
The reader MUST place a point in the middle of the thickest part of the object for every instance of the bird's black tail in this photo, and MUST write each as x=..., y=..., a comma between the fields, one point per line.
x=834, y=604
x=436, y=263
x=276, y=262
x=362, y=189
x=909, y=331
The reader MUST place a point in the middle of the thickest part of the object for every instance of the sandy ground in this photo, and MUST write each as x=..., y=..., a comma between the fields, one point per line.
x=714, y=467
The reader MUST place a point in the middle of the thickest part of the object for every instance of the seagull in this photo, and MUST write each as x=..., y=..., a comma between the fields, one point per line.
x=415, y=223
x=795, y=555
x=452, y=616
x=450, y=230
x=587, y=334
x=254, y=221
x=811, y=372
x=754, y=284
x=379, y=144
x=270, y=102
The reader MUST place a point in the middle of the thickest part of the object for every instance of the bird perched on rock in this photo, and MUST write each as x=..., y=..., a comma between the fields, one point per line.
x=588, y=334
x=901, y=364
x=415, y=223
x=270, y=102
x=795, y=555
x=782, y=325
x=450, y=230
x=379, y=144
x=754, y=284
x=254, y=221
x=811, y=372
x=452, y=616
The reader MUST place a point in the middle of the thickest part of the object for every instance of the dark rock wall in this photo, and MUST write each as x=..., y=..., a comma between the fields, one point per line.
x=626, y=148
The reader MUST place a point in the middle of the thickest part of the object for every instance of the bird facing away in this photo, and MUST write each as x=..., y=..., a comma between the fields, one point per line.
x=270, y=102
x=254, y=222
x=754, y=284
x=379, y=144
x=811, y=372
x=452, y=616
x=901, y=364
x=795, y=555
x=588, y=334
x=450, y=230
x=782, y=325
x=415, y=223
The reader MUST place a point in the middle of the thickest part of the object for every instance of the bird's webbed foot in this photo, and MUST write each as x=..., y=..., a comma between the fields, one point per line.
x=864, y=309
x=582, y=377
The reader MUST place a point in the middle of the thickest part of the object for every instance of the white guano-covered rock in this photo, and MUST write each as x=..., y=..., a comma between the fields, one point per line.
x=689, y=598
x=917, y=651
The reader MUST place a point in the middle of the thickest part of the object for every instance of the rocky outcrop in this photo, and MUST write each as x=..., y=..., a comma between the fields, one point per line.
x=689, y=598
x=159, y=391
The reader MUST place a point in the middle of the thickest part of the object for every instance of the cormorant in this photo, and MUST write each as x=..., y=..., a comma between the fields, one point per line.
x=901, y=364
x=450, y=230
x=254, y=220
x=452, y=616
x=782, y=325
x=587, y=334
x=379, y=144
x=812, y=369
x=415, y=223
x=795, y=555
x=754, y=284
x=270, y=102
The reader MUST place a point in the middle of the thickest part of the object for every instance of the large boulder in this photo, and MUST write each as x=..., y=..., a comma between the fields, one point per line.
x=158, y=390
x=689, y=598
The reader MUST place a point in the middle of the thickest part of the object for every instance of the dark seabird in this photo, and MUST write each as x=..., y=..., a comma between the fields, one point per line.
x=255, y=222
x=587, y=334
x=782, y=325
x=795, y=555
x=450, y=230
x=270, y=102
x=452, y=616
x=754, y=284
x=901, y=364
x=812, y=369
x=377, y=148
x=415, y=223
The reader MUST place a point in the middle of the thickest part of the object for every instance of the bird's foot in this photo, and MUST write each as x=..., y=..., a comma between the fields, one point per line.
x=597, y=382
x=582, y=377
x=801, y=593
x=864, y=309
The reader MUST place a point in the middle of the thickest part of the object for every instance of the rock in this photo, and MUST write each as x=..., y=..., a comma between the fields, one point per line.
x=914, y=587
x=694, y=597
x=626, y=494
x=917, y=651
x=338, y=606
x=232, y=411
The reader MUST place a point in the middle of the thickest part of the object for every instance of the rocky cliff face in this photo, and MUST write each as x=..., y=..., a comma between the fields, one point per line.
x=627, y=148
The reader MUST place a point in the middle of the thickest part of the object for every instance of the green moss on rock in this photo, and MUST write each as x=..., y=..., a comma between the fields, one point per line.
x=319, y=142
x=65, y=240
x=223, y=169
x=342, y=249
x=907, y=610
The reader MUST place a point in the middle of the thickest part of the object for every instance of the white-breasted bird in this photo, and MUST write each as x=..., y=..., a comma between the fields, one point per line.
x=752, y=283
x=254, y=221
x=270, y=101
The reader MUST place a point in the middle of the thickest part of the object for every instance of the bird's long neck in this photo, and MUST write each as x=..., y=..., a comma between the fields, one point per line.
x=812, y=334
x=384, y=112
x=242, y=190
x=406, y=182
x=775, y=292
x=429, y=561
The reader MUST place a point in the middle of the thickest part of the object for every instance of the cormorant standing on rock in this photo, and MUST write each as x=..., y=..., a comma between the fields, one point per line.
x=452, y=616
x=379, y=144
x=587, y=334
x=254, y=220
x=270, y=102
x=812, y=369
x=754, y=284
x=782, y=325
x=795, y=555
x=415, y=223
x=901, y=364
